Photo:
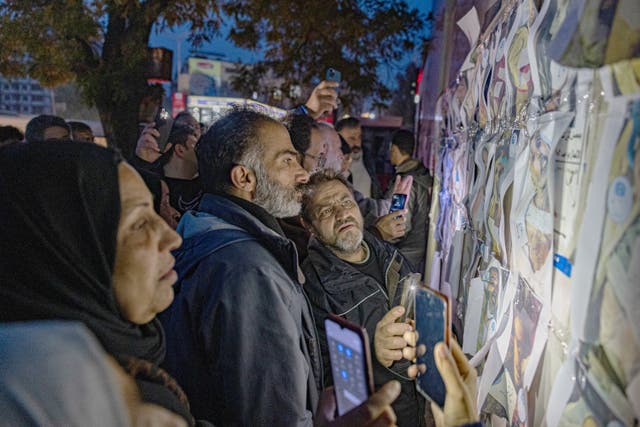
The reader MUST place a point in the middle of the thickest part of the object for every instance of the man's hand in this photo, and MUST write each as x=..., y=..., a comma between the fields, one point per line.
x=392, y=226
x=460, y=382
x=389, y=342
x=403, y=185
x=323, y=99
x=147, y=146
x=374, y=412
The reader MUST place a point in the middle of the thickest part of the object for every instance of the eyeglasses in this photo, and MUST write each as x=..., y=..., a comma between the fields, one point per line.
x=328, y=211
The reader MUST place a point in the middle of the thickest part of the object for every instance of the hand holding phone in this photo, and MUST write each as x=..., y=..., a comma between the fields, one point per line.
x=163, y=123
x=323, y=99
x=460, y=379
x=433, y=325
x=333, y=75
x=398, y=202
x=401, y=191
x=391, y=226
x=350, y=363
x=147, y=144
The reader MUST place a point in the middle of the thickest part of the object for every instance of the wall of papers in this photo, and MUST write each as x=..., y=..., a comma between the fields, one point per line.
x=534, y=141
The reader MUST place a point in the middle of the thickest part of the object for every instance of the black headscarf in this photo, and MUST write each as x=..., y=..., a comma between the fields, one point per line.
x=59, y=214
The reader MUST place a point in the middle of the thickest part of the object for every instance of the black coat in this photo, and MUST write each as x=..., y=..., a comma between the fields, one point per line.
x=241, y=340
x=413, y=245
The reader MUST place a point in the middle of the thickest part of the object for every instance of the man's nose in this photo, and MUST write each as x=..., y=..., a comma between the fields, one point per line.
x=341, y=212
x=302, y=176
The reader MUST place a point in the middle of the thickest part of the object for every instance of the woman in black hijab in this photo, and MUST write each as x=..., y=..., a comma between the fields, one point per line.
x=80, y=241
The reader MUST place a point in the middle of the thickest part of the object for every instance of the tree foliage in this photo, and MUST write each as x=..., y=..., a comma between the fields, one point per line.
x=102, y=44
x=403, y=99
x=301, y=39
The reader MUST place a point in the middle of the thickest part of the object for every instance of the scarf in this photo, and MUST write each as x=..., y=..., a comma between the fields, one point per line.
x=59, y=214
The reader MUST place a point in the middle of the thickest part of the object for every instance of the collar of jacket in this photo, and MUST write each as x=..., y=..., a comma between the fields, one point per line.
x=408, y=165
x=337, y=275
x=229, y=211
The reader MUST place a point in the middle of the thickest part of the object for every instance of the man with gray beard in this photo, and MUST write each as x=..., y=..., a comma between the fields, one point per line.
x=240, y=337
x=353, y=274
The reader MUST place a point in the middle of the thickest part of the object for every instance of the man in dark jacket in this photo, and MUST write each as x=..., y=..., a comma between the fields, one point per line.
x=353, y=274
x=413, y=244
x=240, y=336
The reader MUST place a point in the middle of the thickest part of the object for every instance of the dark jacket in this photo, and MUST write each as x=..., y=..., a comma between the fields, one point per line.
x=241, y=339
x=369, y=158
x=335, y=286
x=413, y=244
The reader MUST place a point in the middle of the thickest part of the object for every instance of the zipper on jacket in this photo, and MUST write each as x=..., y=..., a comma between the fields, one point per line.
x=386, y=274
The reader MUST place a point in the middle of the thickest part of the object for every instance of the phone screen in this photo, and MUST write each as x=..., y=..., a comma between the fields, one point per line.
x=348, y=356
x=433, y=326
x=397, y=202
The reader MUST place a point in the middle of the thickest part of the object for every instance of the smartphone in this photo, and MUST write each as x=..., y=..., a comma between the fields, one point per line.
x=350, y=362
x=433, y=325
x=163, y=123
x=409, y=285
x=398, y=201
x=333, y=75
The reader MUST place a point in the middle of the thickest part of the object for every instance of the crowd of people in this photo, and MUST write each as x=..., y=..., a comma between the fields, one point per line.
x=188, y=285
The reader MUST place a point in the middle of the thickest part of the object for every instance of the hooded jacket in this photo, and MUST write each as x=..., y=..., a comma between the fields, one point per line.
x=335, y=286
x=241, y=338
x=413, y=244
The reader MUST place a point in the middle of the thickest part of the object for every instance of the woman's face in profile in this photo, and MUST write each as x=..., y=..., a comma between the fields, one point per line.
x=143, y=274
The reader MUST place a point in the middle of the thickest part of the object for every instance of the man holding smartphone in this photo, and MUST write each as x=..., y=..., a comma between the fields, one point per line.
x=413, y=245
x=353, y=274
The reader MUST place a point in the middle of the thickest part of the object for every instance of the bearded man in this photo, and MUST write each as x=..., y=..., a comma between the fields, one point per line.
x=240, y=339
x=353, y=274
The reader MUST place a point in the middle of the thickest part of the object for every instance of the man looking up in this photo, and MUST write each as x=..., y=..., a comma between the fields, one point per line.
x=413, y=244
x=363, y=173
x=353, y=274
x=241, y=340
x=239, y=322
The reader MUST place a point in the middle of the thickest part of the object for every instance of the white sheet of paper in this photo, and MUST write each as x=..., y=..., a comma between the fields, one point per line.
x=633, y=393
x=590, y=235
x=472, y=316
x=492, y=367
x=470, y=26
x=561, y=392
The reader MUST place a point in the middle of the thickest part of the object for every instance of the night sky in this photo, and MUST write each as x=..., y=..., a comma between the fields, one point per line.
x=221, y=46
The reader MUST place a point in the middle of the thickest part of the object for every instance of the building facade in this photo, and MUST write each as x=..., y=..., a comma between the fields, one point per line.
x=24, y=96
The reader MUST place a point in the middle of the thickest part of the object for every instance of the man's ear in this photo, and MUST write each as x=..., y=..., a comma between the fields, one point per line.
x=179, y=149
x=243, y=180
